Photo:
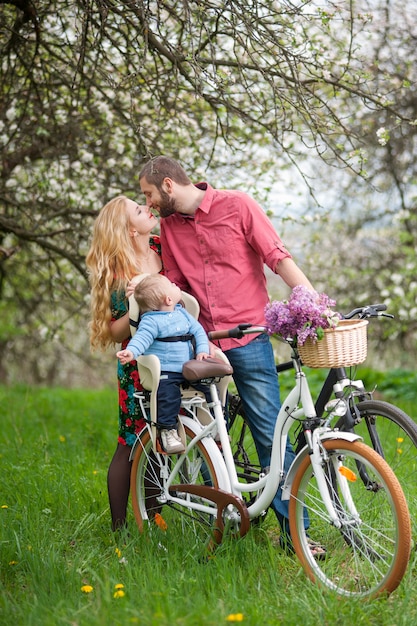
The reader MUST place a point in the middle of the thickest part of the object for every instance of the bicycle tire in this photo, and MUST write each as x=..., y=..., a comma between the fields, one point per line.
x=367, y=556
x=393, y=434
x=147, y=490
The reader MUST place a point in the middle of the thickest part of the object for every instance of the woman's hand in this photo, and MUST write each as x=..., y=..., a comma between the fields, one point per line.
x=132, y=284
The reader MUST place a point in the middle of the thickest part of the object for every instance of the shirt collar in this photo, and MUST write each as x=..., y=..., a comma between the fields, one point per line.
x=208, y=196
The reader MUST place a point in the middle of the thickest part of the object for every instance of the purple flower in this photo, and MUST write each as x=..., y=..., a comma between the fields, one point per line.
x=305, y=314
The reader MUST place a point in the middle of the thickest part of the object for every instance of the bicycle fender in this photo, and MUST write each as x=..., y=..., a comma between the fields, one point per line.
x=331, y=434
x=209, y=444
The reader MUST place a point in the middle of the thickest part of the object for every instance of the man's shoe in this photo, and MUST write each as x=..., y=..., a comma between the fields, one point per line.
x=171, y=441
x=317, y=549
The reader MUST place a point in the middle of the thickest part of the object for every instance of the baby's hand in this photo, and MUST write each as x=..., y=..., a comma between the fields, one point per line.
x=213, y=349
x=201, y=356
x=125, y=356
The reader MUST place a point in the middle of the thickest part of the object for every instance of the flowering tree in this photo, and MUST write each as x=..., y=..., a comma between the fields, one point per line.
x=239, y=90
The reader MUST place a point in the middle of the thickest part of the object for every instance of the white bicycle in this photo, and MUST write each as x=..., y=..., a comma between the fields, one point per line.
x=366, y=530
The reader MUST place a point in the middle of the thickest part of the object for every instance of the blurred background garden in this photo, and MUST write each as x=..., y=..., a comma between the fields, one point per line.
x=309, y=106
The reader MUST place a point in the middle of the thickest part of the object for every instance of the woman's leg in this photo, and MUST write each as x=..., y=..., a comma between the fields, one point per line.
x=255, y=375
x=118, y=485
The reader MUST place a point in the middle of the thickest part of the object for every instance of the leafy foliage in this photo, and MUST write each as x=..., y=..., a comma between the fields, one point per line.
x=238, y=90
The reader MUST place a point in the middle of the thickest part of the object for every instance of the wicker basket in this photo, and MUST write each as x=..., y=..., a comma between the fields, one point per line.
x=342, y=346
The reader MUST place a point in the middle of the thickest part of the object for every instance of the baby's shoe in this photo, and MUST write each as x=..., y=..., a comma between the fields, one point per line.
x=171, y=441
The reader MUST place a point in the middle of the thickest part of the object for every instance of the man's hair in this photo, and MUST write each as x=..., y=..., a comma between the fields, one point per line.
x=150, y=292
x=161, y=167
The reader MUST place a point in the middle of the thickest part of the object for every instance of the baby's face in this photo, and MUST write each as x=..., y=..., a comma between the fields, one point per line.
x=174, y=292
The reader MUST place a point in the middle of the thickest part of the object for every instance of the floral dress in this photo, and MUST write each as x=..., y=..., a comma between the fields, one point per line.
x=130, y=417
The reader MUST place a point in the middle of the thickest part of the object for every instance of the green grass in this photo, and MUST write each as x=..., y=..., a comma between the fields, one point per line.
x=55, y=447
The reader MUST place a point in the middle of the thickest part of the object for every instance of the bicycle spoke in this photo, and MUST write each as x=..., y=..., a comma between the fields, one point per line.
x=152, y=504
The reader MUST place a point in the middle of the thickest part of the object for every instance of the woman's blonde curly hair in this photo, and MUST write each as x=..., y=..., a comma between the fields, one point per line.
x=111, y=264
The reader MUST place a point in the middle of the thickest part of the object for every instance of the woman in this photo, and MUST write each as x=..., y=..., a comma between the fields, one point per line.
x=121, y=248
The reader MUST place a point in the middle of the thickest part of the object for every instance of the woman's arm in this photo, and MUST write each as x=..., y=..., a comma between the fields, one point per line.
x=120, y=329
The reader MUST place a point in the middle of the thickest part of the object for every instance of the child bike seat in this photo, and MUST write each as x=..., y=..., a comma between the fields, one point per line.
x=149, y=366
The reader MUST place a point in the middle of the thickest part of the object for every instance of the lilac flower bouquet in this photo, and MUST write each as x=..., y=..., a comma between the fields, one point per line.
x=305, y=314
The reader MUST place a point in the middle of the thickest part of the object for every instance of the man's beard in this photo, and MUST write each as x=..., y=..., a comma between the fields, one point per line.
x=167, y=204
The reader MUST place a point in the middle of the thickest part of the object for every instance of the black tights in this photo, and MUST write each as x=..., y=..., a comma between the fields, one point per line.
x=118, y=485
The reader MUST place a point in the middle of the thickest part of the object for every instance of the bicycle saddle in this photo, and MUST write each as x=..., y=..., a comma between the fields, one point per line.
x=208, y=368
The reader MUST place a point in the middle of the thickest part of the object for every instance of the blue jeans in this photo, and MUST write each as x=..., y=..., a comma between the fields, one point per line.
x=255, y=376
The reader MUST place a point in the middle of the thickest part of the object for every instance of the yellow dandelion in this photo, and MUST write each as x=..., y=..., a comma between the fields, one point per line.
x=119, y=593
x=235, y=617
x=399, y=451
x=86, y=588
x=12, y=562
x=62, y=438
x=118, y=553
x=119, y=586
x=4, y=506
x=95, y=472
x=400, y=439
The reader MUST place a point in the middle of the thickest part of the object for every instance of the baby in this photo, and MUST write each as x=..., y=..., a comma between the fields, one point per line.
x=167, y=330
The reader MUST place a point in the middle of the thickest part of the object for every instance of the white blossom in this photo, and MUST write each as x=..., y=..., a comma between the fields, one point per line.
x=383, y=136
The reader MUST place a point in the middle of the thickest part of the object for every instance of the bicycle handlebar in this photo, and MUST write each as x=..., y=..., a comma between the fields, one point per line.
x=371, y=310
x=237, y=332
x=363, y=312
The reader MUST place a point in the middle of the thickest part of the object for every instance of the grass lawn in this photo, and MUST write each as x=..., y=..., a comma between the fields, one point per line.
x=61, y=564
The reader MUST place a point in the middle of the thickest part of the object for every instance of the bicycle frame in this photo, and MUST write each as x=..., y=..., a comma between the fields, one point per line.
x=365, y=526
x=298, y=406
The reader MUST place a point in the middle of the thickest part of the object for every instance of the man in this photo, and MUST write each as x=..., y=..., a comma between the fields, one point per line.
x=214, y=245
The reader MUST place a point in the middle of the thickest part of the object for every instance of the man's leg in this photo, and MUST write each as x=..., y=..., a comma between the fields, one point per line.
x=256, y=379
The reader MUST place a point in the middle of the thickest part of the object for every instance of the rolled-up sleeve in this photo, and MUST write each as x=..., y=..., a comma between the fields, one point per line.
x=261, y=234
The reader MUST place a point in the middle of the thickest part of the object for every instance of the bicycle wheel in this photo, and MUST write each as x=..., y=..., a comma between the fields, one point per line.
x=393, y=434
x=369, y=554
x=150, y=501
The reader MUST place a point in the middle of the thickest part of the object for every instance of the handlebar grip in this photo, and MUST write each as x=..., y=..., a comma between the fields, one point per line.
x=235, y=333
x=364, y=312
